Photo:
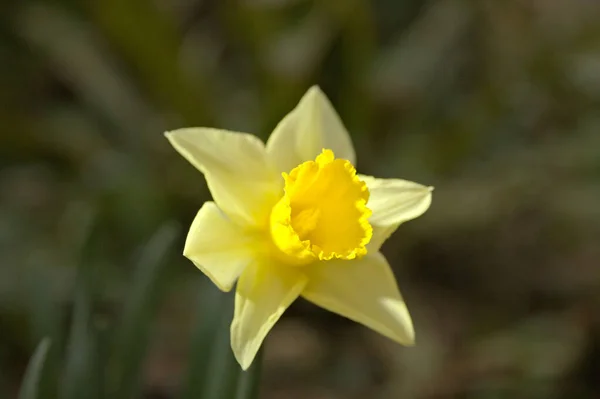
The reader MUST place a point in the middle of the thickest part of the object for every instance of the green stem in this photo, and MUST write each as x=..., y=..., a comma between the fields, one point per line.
x=249, y=381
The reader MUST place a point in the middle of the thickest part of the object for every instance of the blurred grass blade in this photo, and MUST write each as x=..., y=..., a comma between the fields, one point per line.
x=79, y=379
x=46, y=318
x=29, y=387
x=213, y=371
x=210, y=306
x=248, y=386
x=132, y=336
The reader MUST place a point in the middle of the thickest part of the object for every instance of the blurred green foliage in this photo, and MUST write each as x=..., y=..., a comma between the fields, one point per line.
x=493, y=102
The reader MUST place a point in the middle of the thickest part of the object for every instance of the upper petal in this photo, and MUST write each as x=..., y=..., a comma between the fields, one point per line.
x=363, y=290
x=309, y=128
x=219, y=247
x=239, y=175
x=263, y=292
x=395, y=201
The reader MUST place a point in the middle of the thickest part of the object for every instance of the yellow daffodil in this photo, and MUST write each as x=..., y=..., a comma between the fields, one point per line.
x=293, y=218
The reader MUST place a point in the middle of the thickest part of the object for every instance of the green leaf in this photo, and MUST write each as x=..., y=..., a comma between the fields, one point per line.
x=213, y=372
x=132, y=335
x=46, y=320
x=29, y=388
x=80, y=378
x=202, y=340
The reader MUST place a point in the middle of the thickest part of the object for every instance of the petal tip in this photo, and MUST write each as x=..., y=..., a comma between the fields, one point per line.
x=170, y=135
x=244, y=365
x=240, y=354
x=406, y=337
x=315, y=93
x=410, y=338
x=242, y=360
x=315, y=89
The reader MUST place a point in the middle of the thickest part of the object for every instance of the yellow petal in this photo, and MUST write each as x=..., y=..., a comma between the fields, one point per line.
x=263, y=292
x=220, y=248
x=363, y=290
x=395, y=201
x=303, y=133
x=242, y=181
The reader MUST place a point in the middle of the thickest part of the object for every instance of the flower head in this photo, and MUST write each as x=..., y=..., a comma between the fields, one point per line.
x=293, y=218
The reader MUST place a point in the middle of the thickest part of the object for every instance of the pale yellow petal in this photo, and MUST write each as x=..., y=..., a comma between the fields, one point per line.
x=363, y=290
x=263, y=292
x=380, y=235
x=309, y=128
x=395, y=201
x=220, y=248
x=239, y=175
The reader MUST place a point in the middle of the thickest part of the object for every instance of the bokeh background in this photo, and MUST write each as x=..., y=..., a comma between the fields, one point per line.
x=494, y=102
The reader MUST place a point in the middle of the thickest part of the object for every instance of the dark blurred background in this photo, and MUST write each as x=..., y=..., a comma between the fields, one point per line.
x=494, y=102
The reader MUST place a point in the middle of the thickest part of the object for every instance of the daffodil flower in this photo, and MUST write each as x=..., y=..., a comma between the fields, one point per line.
x=293, y=218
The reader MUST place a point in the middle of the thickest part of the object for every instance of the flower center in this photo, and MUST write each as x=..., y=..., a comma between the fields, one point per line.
x=323, y=213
